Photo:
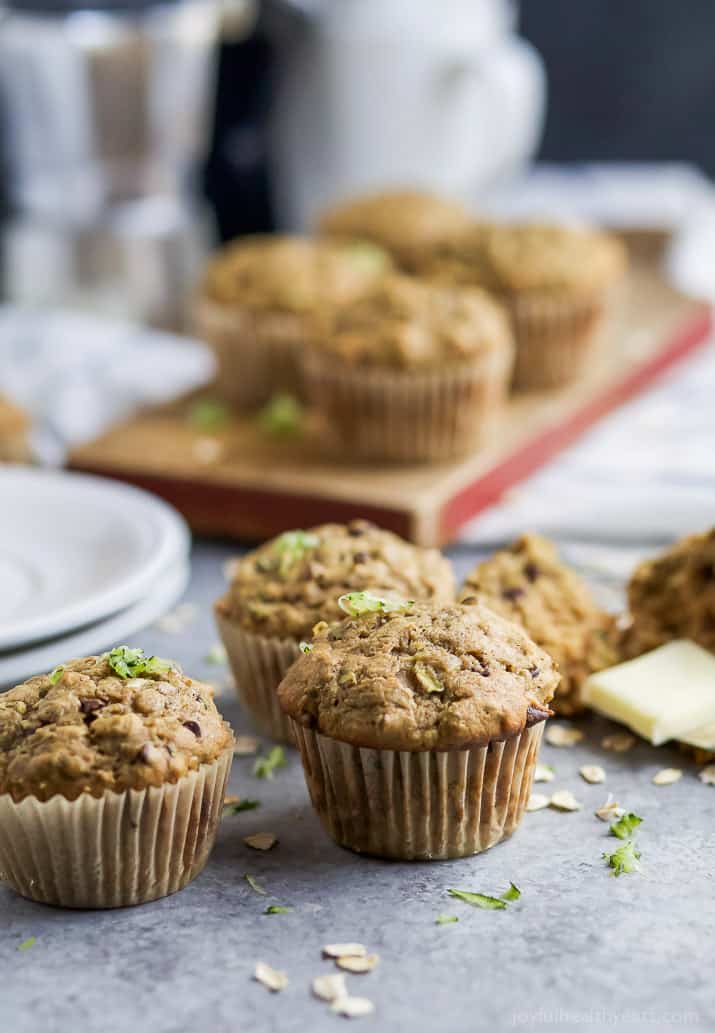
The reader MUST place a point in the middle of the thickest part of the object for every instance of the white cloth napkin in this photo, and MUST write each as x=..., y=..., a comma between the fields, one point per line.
x=76, y=374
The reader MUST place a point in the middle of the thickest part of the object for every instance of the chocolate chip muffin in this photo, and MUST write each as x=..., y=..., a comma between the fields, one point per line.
x=260, y=298
x=419, y=726
x=555, y=281
x=112, y=776
x=403, y=222
x=14, y=428
x=673, y=596
x=528, y=583
x=411, y=372
x=282, y=590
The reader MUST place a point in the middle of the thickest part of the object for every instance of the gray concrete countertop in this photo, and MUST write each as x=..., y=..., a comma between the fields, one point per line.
x=579, y=949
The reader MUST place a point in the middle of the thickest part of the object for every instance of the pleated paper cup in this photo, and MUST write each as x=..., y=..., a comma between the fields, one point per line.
x=257, y=353
x=424, y=806
x=556, y=337
x=404, y=416
x=117, y=850
x=258, y=664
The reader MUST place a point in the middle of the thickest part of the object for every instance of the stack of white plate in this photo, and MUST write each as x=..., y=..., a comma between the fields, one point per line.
x=84, y=564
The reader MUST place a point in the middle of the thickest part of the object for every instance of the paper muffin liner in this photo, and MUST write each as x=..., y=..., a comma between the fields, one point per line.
x=258, y=664
x=556, y=336
x=404, y=416
x=116, y=850
x=424, y=806
x=257, y=353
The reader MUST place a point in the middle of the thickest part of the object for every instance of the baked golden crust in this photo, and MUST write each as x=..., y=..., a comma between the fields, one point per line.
x=402, y=221
x=519, y=257
x=291, y=274
x=14, y=429
x=529, y=584
x=93, y=731
x=673, y=596
x=286, y=586
x=408, y=324
x=425, y=678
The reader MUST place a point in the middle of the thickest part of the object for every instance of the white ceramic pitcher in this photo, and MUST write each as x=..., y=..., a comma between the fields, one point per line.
x=373, y=93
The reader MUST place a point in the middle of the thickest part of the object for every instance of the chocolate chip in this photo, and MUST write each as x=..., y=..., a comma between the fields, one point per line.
x=512, y=593
x=194, y=727
x=358, y=527
x=707, y=572
x=534, y=715
x=531, y=571
x=484, y=671
x=534, y=672
x=88, y=706
x=360, y=557
x=469, y=601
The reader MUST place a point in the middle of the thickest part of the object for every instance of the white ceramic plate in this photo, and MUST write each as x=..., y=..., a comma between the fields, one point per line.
x=75, y=549
x=117, y=630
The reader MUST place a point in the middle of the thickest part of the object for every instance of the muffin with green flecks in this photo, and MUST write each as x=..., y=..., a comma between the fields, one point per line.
x=411, y=372
x=419, y=726
x=282, y=590
x=112, y=777
x=259, y=302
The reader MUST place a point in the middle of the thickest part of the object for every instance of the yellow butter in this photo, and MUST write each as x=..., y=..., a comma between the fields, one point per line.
x=661, y=695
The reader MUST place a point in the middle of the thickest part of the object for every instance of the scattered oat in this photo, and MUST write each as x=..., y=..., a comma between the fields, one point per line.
x=359, y=964
x=261, y=840
x=352, y=1007
x=544, y=773
x=610, y=810
x=177, y=620
x=563, y=735
x=618, y=742
x=207, y=450
x=666, y=776
x=245, y=746
x=229, y=801
x=271, y=978
x=592, y=773
x=537, y=802
x=564, y=800
x=330, y=987
x=344, y=950
x=255, y=884
x=707, y=775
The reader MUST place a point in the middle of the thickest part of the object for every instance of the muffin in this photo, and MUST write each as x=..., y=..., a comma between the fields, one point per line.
x=555, y=281
x=527, y=583
x=673, y=596
x=112, y=777
x=259, y=300
x=14, y=427
x=412, y=372
x=403, y=222
x=282, y=590
x=419, y=727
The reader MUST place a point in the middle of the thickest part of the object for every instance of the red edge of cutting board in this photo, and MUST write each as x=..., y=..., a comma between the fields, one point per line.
x=487, y=488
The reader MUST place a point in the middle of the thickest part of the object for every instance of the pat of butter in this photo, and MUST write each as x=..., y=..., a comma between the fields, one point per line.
x=703, y=736
x=660, y=695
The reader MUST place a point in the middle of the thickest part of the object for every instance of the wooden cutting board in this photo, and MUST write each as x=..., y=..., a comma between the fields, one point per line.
x=258, y=486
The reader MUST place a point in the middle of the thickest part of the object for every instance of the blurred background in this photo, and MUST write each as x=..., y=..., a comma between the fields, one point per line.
x=136, y=134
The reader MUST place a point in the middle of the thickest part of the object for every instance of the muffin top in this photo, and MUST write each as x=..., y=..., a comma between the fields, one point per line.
x=294, y=581
x=13, y=419
x=526, y=257
x=292, y=274
x=527, y=583
x=112, y=722
x=410, y=324
x=401, y=221
x=673, y=596
x=420, y=677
